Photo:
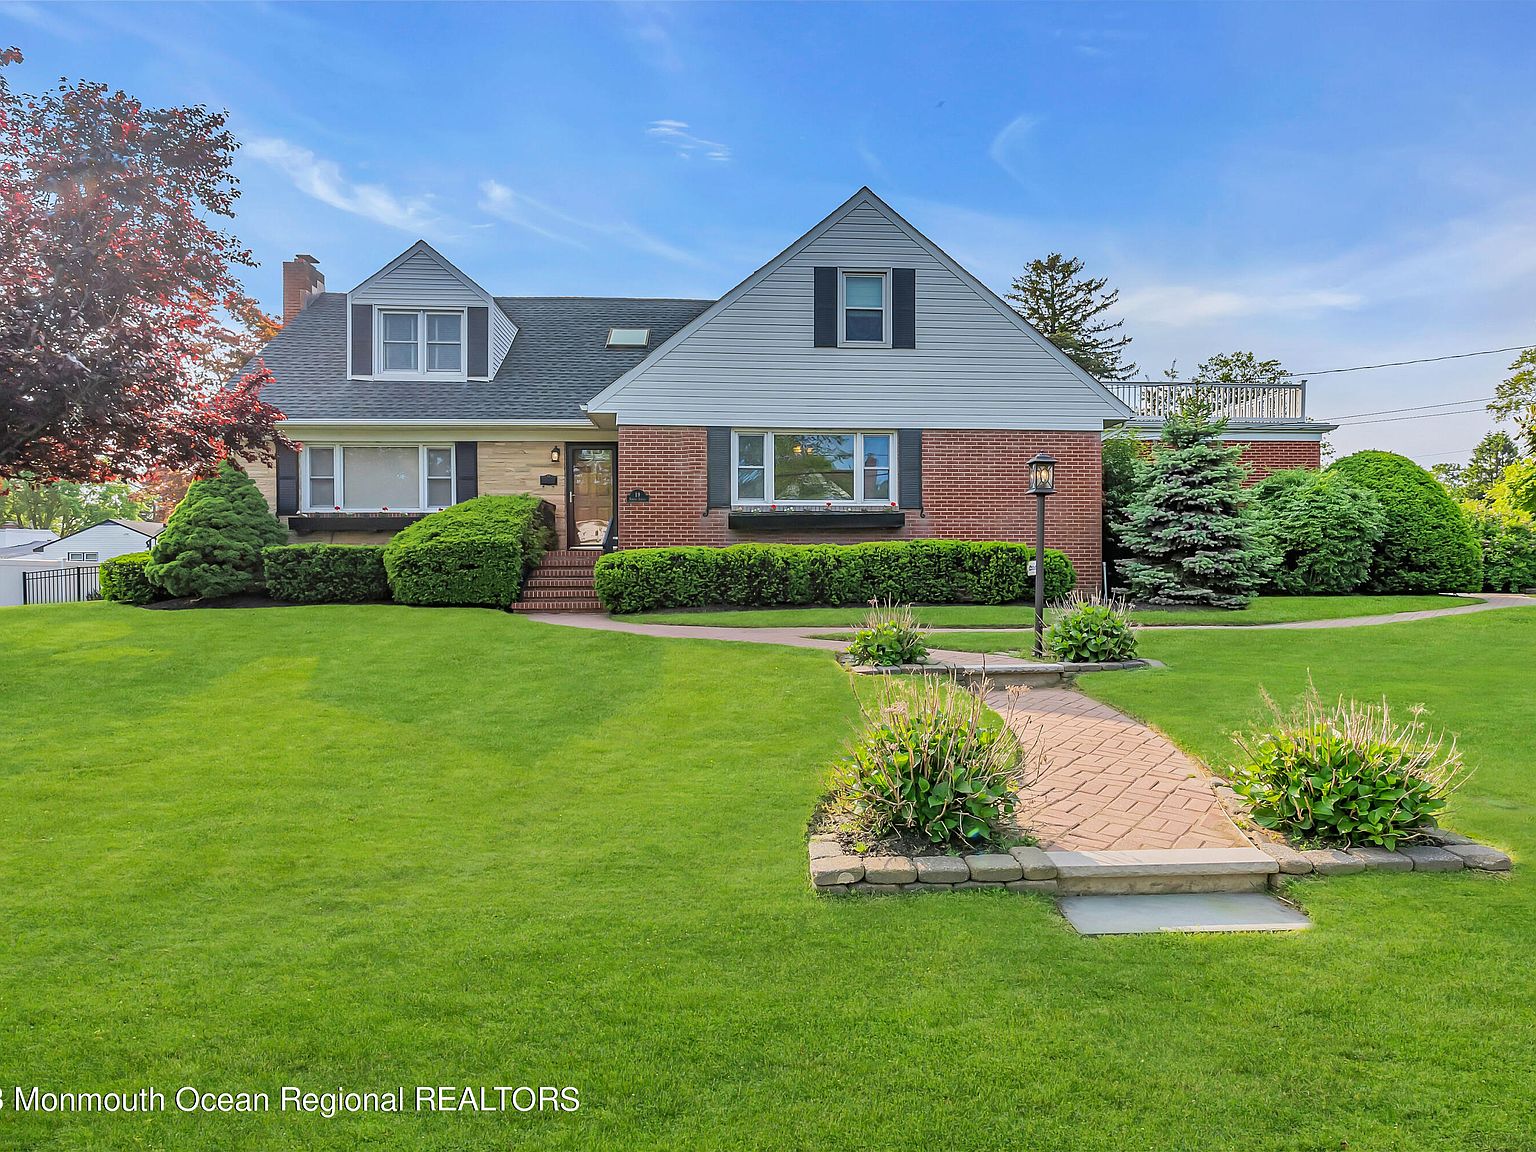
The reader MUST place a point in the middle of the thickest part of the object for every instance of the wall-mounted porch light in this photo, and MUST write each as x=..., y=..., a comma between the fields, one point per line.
x=554, y=455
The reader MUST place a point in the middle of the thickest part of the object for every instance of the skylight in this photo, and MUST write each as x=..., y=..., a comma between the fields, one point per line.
x=629, y=337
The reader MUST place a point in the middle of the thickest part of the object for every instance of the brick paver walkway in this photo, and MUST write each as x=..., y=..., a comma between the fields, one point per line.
x=1110, y=781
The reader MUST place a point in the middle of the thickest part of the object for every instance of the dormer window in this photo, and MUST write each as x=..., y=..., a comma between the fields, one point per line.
x=629, y=337
x=864, y=308
x=421, y=343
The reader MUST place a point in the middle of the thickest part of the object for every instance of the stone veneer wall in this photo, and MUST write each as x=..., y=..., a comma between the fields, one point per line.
x=974, y=488
x=505, y=467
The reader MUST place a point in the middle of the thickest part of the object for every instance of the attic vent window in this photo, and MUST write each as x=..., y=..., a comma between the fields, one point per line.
x=629, y=337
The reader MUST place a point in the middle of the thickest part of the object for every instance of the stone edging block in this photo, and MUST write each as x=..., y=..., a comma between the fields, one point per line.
x=1022, y=869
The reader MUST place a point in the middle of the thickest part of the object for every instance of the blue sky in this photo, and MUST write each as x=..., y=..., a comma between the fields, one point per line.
x=1331, y=185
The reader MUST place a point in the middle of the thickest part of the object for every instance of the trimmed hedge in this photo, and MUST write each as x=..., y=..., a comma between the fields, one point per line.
x=1428, y=545
x=475, y=553
x=325, y=573
x=768, y=575
x=123, y=580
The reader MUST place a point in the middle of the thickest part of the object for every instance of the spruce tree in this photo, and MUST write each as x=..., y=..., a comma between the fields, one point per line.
x=212, y=543
x=1067, y=308
x=1188, y=537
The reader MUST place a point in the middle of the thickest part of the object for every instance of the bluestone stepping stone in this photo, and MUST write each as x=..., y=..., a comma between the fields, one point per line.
x=1181, y=912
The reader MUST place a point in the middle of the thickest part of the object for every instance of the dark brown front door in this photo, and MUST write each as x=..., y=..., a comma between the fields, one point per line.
x=591, y=493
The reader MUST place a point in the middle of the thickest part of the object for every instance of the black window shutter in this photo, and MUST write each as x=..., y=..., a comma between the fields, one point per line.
x=362, y=340
x=479, y=357
x=466, y=469
x=903, y=307
x=718, y=451
x=824, y=308
x=909, y=467
x=287, y=481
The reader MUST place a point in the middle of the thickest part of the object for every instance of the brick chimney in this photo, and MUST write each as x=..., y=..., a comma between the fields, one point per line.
x=302, y=282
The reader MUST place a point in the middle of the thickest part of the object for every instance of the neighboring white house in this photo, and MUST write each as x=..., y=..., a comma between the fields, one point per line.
x=13, y=535
x=83, y=549
x=101, y=541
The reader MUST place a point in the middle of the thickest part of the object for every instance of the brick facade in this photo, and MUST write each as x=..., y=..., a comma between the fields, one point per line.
x=974, y=488
x=1266, y=456
x=508, y=467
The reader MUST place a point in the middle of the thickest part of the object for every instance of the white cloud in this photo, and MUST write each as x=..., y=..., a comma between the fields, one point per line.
x=563, y=228
x=675, y=134
x=1180, y=305
x=1009, y=145
x=323, y=179
x=34, y=17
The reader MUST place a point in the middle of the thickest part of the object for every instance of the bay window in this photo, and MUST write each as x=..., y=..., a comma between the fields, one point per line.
x=421, y=343
x=377, y=477
x=808, y=468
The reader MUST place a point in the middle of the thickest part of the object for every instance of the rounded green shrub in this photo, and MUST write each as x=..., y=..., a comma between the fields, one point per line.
x=1427, y=545
x=325, y=573
x=1321, y=529
x=770, y=575
x=475, y=553
x=123, y=580
x=930, y=760
x=1092, y=631
x=211, y=546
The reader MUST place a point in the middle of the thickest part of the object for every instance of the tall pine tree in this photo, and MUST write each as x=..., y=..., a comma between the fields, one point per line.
x=1068, y=308
x=1189, y=540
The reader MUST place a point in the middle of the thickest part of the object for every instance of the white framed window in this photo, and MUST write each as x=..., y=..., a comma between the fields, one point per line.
x=629, y=337
x=865, y=308
x=377, y=477
x=421, y=343
x=84, y=556
x=814, y=468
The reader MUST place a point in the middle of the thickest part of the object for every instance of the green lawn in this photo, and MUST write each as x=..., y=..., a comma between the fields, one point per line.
x=352, y=846
x=1264, y=610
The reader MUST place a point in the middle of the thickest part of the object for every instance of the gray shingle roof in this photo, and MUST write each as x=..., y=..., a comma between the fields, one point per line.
x=558, y=362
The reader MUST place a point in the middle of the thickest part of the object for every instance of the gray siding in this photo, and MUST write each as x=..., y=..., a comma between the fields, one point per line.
x=421, y=280
x=503, y=331
x=753, y=363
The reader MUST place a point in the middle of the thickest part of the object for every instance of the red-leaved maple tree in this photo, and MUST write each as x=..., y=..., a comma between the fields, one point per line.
x=118, y=298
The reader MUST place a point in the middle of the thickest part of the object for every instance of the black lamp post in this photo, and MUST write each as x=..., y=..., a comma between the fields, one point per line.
x=1042, y=482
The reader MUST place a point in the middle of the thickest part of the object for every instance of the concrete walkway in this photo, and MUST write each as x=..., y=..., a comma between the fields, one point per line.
x=1492, y=602
x=785, y=637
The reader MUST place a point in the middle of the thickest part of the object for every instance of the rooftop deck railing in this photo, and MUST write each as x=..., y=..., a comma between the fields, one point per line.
x=1232, y=401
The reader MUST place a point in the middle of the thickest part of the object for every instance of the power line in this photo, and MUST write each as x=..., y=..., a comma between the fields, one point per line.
x=1370, y=367
x=1415, y=408
x=1423, y=360
x=1420, y=416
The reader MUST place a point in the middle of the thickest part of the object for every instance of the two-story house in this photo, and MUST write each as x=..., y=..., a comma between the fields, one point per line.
x=861, y=385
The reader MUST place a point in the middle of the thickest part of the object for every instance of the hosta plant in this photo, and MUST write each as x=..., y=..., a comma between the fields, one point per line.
x=1092, y=630
x=1347, y=774
x=889, y=636
x=932, y=760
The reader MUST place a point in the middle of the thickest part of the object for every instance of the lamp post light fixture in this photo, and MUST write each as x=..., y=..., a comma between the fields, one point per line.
x=1042, y=482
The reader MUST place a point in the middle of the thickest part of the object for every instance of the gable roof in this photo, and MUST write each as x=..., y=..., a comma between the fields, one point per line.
x=1115, y=409
x=148, y=528
x=558, y=362
x=422, y=248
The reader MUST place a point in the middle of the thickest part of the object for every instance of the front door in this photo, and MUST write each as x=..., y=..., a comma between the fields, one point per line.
x=591, y=493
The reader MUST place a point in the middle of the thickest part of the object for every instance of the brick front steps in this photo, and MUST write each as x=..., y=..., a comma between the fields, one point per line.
x=1123, y=873
x=561, y=583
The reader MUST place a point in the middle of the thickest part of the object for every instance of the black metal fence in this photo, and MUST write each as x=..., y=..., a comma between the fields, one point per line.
x=65, y=586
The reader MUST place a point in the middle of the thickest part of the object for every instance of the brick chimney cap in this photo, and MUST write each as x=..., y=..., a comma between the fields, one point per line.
x=307, y=257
